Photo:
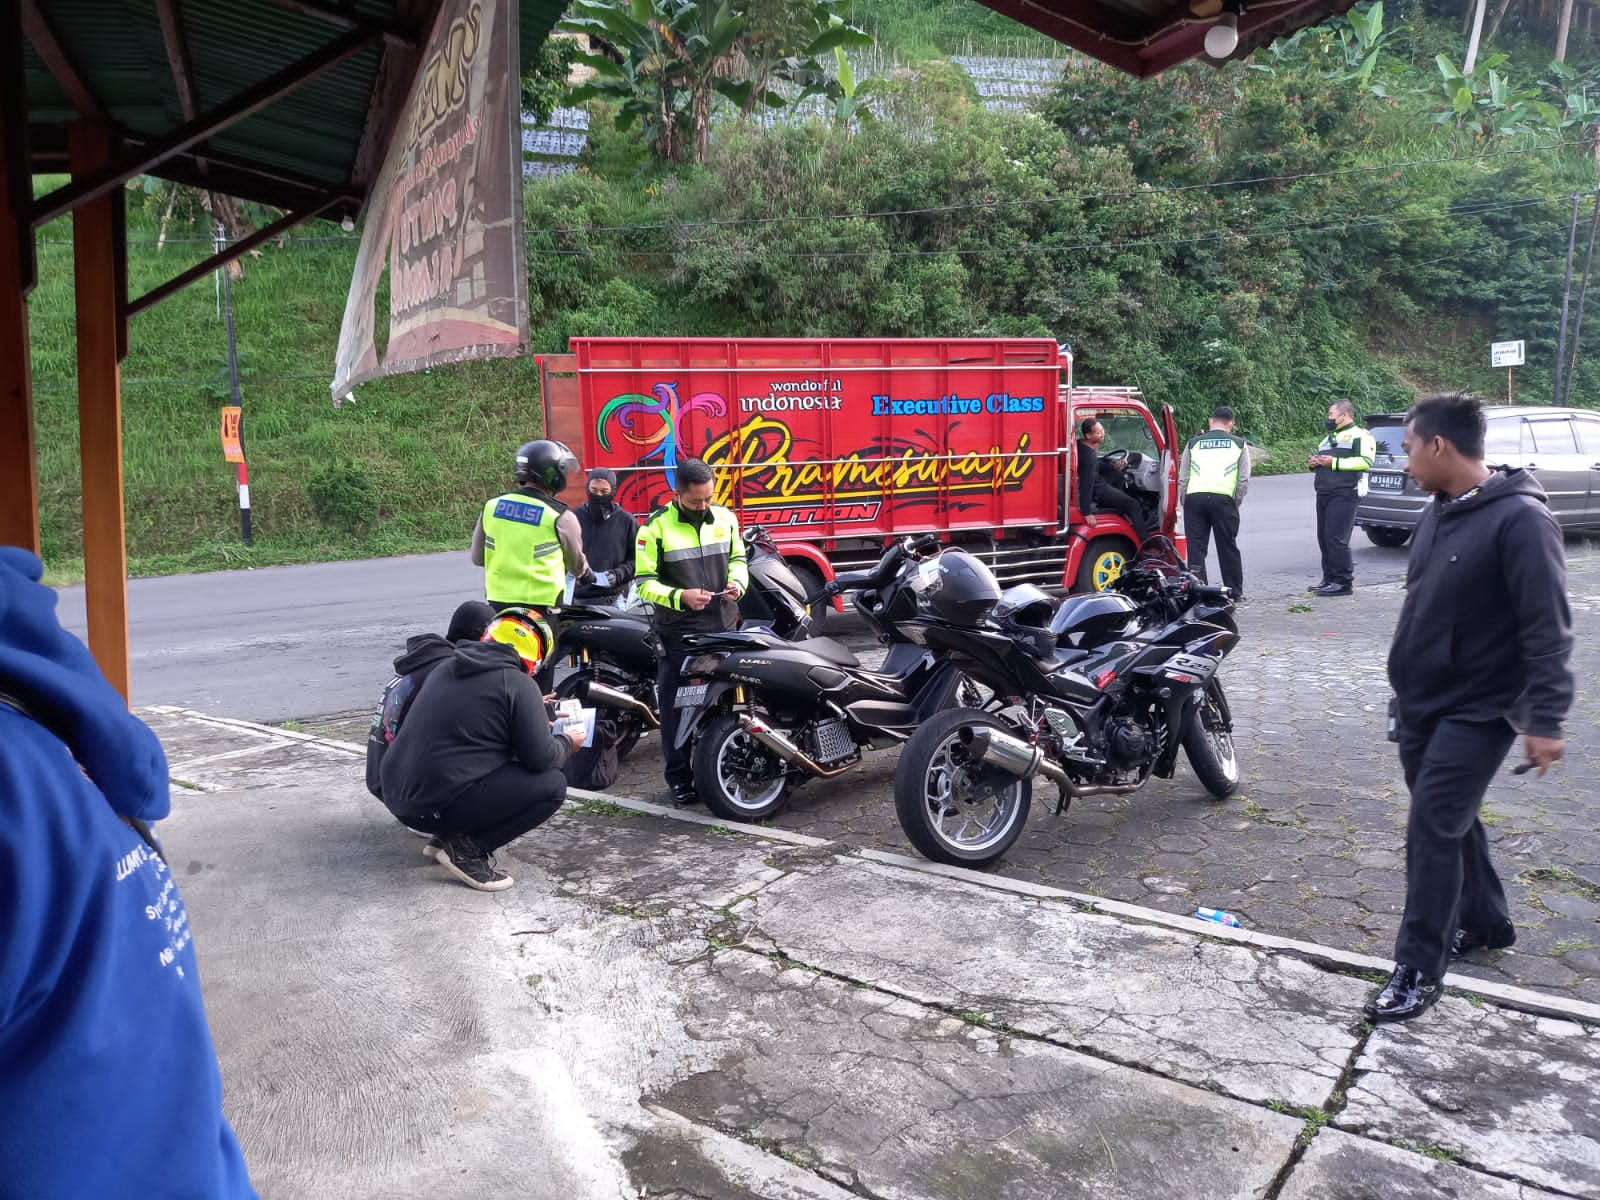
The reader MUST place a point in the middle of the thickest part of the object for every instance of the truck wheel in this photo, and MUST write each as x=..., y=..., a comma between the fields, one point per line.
x=1104, y=560
x=1381, y=535
x=822, y=610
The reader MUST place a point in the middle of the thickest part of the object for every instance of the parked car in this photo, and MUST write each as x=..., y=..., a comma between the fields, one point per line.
x=1561, y=446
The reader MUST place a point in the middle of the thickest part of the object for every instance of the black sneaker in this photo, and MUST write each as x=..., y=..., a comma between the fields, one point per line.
x=683, y=795
x=462, y=858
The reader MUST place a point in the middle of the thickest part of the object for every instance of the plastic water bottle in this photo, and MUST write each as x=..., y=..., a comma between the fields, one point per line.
x=1217, y=916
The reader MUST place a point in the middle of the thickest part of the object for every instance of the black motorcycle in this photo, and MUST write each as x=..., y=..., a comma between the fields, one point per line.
x=1096, y=693
x=613, y=651
x=769, y=713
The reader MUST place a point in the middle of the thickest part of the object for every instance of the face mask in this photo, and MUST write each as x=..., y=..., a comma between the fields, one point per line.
x=600, y=504
x=1330, y=425
x=694, y=516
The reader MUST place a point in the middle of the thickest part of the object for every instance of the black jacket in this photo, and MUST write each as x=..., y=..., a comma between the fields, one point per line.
x=608, y=546
x=422, y=654
x=478, y=712
x=1485, y=630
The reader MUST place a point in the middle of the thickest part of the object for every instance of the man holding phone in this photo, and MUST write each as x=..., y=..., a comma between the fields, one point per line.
x=1480, y=655
x=690, y=568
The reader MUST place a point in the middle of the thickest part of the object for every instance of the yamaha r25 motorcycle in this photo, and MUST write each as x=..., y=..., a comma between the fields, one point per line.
x=613, y=652
x=1095, y=693
x=768, y=714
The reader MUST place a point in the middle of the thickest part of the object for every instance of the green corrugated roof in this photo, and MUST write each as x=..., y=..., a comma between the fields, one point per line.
x=312, y=142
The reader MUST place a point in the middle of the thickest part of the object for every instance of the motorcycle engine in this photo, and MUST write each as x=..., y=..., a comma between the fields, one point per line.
x=1129, y=743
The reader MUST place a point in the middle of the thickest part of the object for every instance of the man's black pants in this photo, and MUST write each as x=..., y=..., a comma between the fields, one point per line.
x=500, y=808
x=1336, y=518
x=1450, y=882
x=1205, y=513
x=668, y=676
x=1114, y=499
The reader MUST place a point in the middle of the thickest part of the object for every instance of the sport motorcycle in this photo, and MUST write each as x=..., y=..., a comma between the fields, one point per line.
x=1095, y=693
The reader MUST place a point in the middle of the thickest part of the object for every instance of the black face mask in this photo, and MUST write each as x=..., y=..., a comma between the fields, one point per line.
x=602, y=505
x=693, y=516
x=1330, y=425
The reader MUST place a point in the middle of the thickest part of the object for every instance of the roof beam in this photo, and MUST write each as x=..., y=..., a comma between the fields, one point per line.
x=60, y=63
x=223, y=257
x=178, y=57
x=113, y=175
x=335, y=14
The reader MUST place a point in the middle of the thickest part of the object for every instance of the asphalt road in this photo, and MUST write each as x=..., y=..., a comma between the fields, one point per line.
x=283, y=642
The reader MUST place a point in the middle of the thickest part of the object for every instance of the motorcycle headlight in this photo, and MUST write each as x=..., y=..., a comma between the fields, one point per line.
x=701, y=664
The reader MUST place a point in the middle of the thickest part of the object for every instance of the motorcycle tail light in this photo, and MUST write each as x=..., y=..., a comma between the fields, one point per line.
x=1104, y=677
x=702, y=664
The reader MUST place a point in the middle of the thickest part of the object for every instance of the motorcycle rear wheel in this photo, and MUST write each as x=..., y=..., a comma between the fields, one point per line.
x=954, y=810
x=1209, y=745
x=629, y=724
x=737, y=777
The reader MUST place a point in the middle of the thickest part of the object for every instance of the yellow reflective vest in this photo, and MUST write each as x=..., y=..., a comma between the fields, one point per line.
x=522, y=558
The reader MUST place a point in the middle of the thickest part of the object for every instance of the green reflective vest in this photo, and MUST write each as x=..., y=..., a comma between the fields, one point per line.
x=522, y=558
x=1214, y=463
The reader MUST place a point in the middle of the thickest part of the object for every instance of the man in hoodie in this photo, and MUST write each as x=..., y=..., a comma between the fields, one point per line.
x=422, y=654
x=475, y=763
x=108, y=1078
x=1480, y=655
x=608, y=537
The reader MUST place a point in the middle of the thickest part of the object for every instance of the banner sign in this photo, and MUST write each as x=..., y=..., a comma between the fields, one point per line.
x=232, y=433
x=445, y=218
x=1506, y=354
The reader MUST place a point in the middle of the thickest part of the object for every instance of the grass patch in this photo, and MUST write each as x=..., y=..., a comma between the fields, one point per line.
x=1563, y=879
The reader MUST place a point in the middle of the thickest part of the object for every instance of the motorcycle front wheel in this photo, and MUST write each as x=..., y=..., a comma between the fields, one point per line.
x=630, y=725
x=952, y=809
x=737, y=777
x=1209, y=744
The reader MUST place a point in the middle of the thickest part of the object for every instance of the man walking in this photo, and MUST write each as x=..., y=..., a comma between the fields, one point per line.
x=1096, y=493
x=1341, y=463
x=691, y=570
x=1212, y=480
x=1480, y=655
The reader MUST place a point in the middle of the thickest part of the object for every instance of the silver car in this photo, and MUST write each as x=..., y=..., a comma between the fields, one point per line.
x=1560, y=446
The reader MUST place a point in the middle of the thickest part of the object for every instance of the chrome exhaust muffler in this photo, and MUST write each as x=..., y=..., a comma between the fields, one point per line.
x=599, y=694
x=1017, y=757
x=785, y=749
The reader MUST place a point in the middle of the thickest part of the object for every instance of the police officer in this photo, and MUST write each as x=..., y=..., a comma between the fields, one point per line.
x=527, y=541
x=1212, y=481
x=1341, y=463
x=691, y=570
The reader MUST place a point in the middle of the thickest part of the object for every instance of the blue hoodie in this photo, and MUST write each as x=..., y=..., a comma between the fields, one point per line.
x=108, y=1080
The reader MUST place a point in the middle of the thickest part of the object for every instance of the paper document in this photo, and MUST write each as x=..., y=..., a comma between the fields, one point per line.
x=583, y=718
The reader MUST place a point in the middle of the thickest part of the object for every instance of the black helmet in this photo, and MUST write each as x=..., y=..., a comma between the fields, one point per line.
x=1023, y=614
x=964, y=590
x=545, y=465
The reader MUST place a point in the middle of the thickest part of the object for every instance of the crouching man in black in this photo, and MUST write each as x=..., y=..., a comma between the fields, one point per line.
x=475, y=764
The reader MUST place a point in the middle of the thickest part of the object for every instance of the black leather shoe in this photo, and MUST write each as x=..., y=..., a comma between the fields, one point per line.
x=1498, y=938
x=1317, y=587
x=683, y=795
x=1409, y=993
x=1333, y=589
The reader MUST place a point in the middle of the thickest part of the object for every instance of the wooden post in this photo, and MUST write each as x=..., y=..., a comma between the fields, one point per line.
x=95, y=275
x=19, y=470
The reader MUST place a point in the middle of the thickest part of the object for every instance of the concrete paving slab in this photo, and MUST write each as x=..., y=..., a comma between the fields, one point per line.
x=1337, y=1166
x=285, y=764
x=1507, y=1092
x=187, y=738
x=894, y=1101
x=1209, y=1012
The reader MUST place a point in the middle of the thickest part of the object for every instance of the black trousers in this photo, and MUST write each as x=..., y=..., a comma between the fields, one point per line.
x=1336, y=518
x=1450, y=882
x=668, y=675
x=502, y=807
x=1207, y=513
x=1113, y=499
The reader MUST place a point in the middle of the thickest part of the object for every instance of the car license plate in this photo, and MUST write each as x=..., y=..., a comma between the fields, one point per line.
x=690, y=695
x=1388, y=481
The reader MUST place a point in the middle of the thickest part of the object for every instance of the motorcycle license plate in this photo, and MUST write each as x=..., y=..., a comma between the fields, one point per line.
x=1386, y=481
x=691, y=695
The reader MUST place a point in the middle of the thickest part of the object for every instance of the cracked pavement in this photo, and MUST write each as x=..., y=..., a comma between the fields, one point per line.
x=665, y=1007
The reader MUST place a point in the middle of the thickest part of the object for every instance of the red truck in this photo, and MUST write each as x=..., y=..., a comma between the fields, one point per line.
x=835, y=445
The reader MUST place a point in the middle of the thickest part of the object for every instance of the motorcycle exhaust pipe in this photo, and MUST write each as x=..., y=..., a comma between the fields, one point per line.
x=1025, y=761
x=785, y=749
x=600, y=694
